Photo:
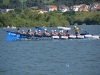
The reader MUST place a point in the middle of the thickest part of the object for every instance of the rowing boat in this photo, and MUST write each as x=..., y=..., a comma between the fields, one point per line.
x=41, y=28
x=16, y=36
x=8, y=27
x=64, y=28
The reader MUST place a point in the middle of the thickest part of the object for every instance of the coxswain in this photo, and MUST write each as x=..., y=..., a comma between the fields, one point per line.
x=76, y=29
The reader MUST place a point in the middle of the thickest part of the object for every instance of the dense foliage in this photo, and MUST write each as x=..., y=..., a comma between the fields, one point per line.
x=81, y=18
x=28, y=18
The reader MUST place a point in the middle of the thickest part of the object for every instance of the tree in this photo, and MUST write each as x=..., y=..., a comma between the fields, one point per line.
x=18, y=10
x=96, y=19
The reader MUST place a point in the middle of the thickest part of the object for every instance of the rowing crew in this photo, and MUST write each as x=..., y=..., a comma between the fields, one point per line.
x=45, y=33
x=29, y=32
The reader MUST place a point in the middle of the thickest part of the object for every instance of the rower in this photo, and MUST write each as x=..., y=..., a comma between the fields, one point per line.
x=18, y=31
x=23, y=32
x=32, y=33
x=46, y=33
x=67, y=33
x=38, y=33
x=61, y=33
x=55, y=33
x=35, y=33
x=52, y=33
x=29, y=33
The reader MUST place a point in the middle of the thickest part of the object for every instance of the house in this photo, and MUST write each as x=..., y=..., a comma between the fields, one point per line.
x=50, y=8
x=75, y=7
x=7, y=10
x=41, y=11
x=81, y=7
x=63, y=8
x=93, y=7
x=98, y=8
x=84, y=7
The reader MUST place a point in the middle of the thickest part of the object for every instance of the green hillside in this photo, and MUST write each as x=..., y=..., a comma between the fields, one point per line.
x=5, y=1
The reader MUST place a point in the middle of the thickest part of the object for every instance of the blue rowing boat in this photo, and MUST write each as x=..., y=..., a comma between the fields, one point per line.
x=16, y=36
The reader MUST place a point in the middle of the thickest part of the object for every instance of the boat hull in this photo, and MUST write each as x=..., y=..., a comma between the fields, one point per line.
x=16, y=36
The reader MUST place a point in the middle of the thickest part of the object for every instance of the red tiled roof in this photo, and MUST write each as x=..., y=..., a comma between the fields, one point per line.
x=52, y=6
x=83, y=9
x=83, y=4
x=98, y=7
x=80, y=5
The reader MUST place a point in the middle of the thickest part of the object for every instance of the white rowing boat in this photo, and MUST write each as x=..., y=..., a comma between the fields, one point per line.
x=64, y=28
x=9, y=28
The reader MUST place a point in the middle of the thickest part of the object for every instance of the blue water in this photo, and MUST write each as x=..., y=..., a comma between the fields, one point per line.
x=50, y=57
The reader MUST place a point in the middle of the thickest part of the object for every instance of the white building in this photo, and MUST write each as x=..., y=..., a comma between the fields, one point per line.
x=6, y=10
x=63, y=8
x=75, y=7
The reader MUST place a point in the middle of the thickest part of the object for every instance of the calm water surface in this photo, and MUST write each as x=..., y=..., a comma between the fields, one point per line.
x=50, y=57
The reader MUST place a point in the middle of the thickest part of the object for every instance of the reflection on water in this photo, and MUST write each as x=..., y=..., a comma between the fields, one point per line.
x=50, y=57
